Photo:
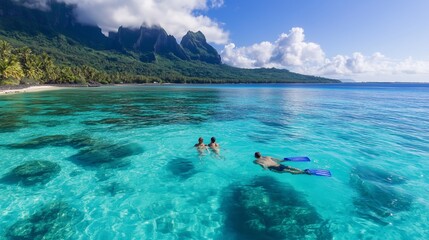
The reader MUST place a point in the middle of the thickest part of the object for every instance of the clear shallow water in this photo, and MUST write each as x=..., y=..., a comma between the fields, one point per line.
x=118, y=162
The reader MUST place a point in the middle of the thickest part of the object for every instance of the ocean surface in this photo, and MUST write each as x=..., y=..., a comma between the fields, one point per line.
x=119, y=162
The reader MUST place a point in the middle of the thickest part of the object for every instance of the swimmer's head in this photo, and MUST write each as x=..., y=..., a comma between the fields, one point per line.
x=213, y=139
x=258, y=155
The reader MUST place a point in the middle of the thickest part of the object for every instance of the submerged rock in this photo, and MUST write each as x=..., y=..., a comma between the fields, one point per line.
x=74, y=141
x=181, y=167
x=11, y=122
x=60, y=111
x=148, y=120
x=53, y=221
x=40, y=142
x=266, y=209
x=377, y=175
x=114, y=188
x=378, y=197
x=106, y=156
x=32, y=172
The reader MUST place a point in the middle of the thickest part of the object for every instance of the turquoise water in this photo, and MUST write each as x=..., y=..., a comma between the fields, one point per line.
x=118, y=162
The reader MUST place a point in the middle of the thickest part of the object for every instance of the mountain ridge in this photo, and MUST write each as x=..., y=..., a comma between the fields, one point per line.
x=145, y=52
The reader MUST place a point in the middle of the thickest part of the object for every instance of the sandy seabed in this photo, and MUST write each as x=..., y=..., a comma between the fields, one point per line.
x=29, y=89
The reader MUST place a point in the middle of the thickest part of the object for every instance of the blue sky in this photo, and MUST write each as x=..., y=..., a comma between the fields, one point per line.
x=364, y=40
x=398, y=28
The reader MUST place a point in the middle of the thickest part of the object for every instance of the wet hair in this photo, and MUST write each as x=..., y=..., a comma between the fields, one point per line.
x=258, y=155
x=213, y=139
x=200, y=139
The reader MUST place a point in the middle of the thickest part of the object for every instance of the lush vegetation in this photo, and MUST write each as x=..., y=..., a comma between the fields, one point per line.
x=22, y=66
x=62, y=61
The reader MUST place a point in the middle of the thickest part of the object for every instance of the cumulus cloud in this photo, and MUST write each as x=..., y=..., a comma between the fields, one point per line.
x=293, y=52
x=257, y=55
x=376, y=67
x=176, y=16
x=289, y=50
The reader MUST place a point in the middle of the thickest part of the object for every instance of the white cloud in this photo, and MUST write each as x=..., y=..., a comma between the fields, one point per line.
x=288, y=51
x=292, y=52
x=175, y=16
x=257, y=55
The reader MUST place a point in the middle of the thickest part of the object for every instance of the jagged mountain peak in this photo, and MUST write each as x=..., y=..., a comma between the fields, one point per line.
x=145, y=41
x=196, y=46
x=152, y=40
x=196, y=35
x=148, y=42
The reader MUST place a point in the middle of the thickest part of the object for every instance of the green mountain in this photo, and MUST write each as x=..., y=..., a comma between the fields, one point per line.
x=197, y=48
x=81, y=53
x=148, y=42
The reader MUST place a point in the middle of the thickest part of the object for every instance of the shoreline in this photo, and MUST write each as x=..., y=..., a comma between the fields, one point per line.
x=7, y=90
x=13, y=90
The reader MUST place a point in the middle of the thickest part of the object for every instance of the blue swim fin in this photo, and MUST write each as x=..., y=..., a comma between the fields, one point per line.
x=318, y=172
x=297, y=159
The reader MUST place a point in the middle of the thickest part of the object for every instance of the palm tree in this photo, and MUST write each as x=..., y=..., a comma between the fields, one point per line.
x=51, y=72
x=31, y=64
x=10, y=68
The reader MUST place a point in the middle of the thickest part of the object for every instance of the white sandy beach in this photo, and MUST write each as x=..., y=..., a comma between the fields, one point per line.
x=29, y=89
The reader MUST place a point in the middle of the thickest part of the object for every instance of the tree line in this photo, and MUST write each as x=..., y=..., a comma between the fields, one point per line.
x=23, y=66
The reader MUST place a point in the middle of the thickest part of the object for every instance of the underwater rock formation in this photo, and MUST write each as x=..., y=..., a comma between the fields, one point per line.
x=11, y=122
x=378, y=196
x=52, y=221
x=75, y=141
x=266, y=209
x=32, y=172
x=113, y=188
x=181, y=167
x=106, y=156
x=377, y=175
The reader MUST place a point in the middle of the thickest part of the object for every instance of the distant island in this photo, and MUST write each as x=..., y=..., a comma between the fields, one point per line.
x=52, y=47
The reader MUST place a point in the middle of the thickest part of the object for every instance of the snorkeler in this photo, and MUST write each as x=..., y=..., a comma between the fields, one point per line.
x=213, y=145
x=273, y=164
x=201, y=147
